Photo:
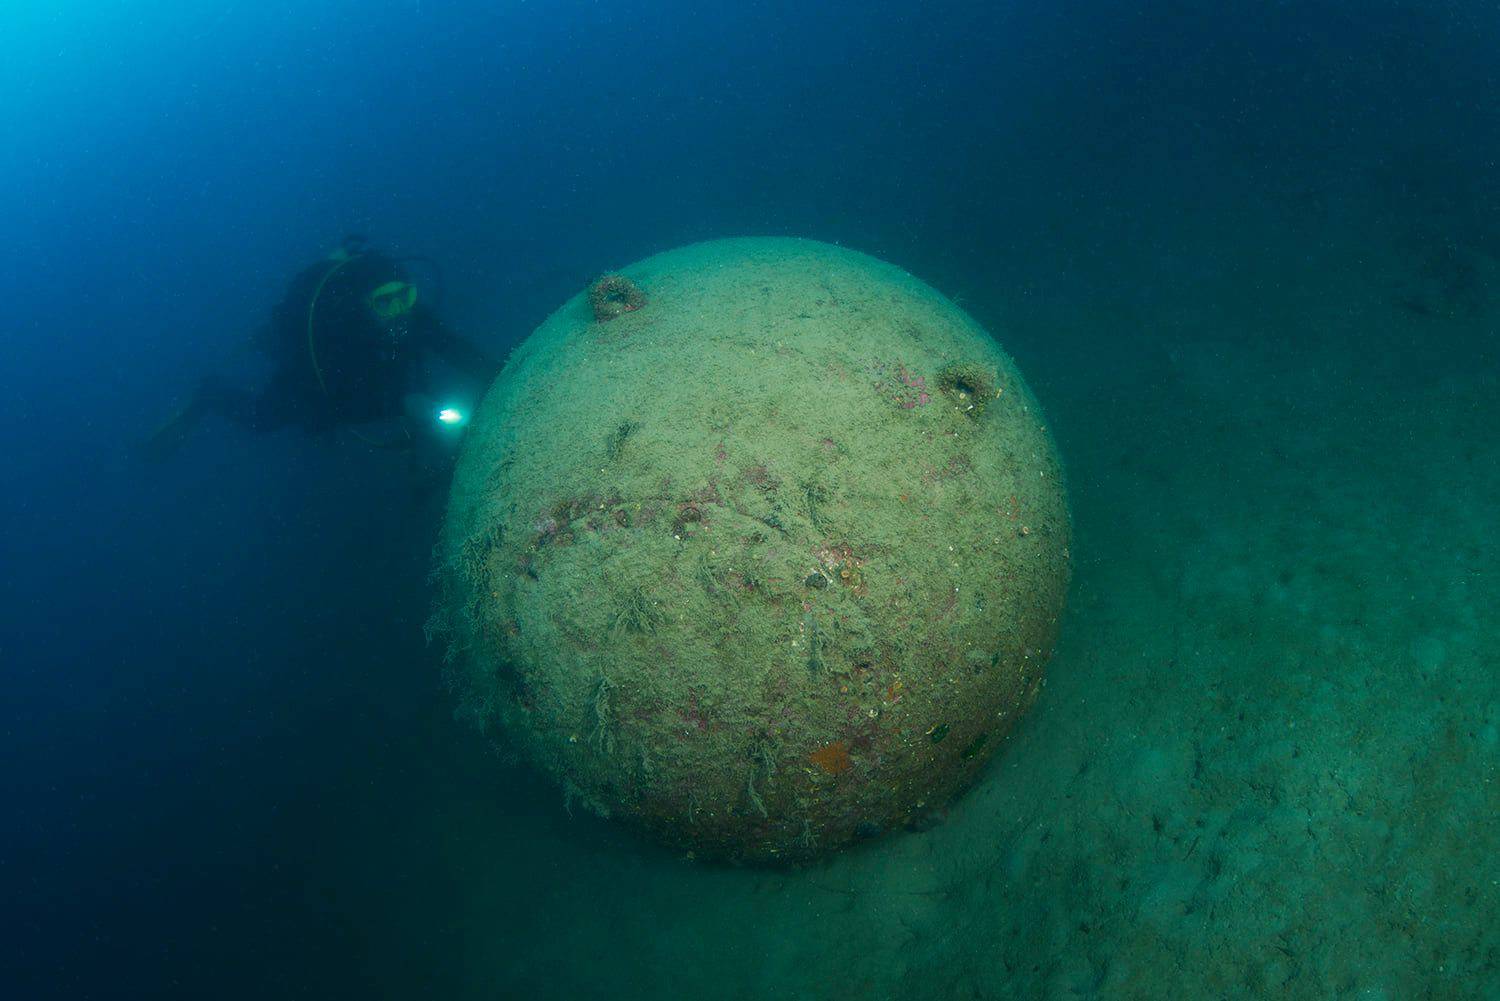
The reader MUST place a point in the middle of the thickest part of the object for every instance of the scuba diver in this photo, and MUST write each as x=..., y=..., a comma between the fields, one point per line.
x=347, y=342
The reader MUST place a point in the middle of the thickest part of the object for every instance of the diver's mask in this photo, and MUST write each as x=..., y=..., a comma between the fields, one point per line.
x=392, y=305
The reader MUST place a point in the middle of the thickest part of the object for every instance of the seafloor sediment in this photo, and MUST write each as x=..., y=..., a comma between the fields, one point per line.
x=1265, y=762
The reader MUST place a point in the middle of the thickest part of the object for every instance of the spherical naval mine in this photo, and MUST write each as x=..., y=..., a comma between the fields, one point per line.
x=767, y=566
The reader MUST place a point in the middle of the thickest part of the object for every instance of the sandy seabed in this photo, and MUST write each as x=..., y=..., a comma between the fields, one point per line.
x=1265, y=761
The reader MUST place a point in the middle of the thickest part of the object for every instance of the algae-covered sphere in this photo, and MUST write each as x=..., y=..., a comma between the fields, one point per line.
x=768, y=559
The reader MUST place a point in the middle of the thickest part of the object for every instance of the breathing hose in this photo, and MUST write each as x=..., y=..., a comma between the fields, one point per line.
x=312, y=354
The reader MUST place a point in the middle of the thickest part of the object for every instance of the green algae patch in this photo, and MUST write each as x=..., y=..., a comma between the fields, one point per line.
x=724, y=564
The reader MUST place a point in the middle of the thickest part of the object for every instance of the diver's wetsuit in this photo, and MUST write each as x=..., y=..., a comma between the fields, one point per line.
x=365, y=370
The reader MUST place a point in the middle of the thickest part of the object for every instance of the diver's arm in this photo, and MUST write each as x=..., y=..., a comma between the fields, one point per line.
x=463, y=355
